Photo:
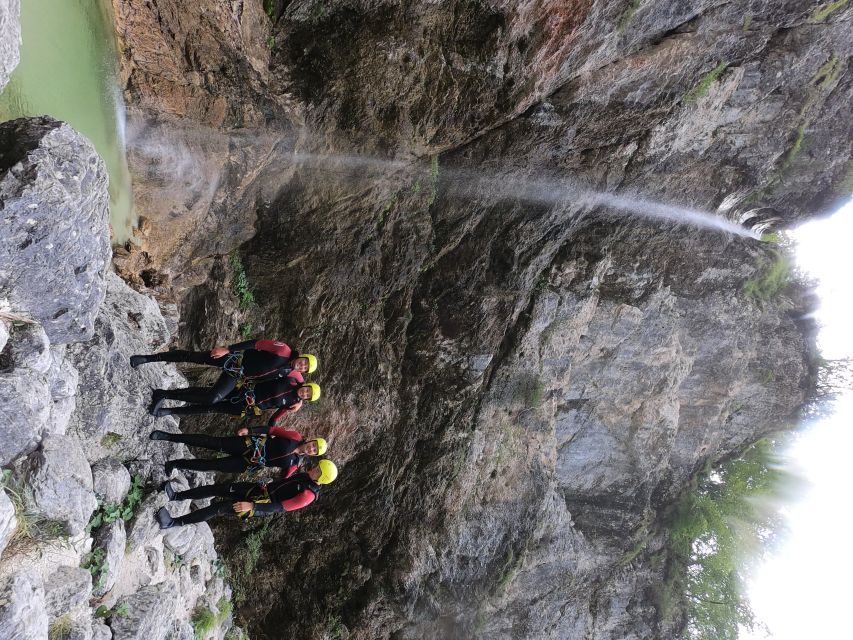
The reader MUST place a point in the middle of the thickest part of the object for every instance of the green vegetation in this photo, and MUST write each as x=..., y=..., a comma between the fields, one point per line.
x=61, y=628
x=204, y=622
x=245, y=330
x=118, y=611
x=822, y=12
x=246, y=560
x=31, y=526
x=705, y=83
x=747, y=21
x=96, y=563
x=240, y=284
x=530, y=389
x=236, y=633
x=110, y=438
x=269, y=9
x=719, y=531
x=770, y=280
x=271, y=41
x=626, y=18
x=108, y=513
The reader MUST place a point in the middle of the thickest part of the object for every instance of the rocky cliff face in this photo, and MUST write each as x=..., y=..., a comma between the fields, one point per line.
x=519, y=378
x=75, y=427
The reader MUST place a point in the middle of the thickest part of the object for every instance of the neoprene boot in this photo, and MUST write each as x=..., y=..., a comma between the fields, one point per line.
x=165, y=518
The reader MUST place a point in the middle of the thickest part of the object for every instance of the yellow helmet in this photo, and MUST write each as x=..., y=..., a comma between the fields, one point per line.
x=328, y=472
x=322, y=445
x=315, y=391
x=312, y=361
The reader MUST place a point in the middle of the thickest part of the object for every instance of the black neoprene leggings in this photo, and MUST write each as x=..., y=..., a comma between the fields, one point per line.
x=233, y=445
x=236, y=491
x=231, y=408
x=198, y=395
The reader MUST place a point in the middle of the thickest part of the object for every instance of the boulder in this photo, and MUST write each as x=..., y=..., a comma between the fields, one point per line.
x=62, y=379
x=112, y=539
x=54, y=240
x=22, y=610
x=37, y=388
x=10, y=39
x=111, y=481
x=100, y=631
x=67, y=588
x=150, y=613
x=190, y=542
x=112, y=398
x=61, y=483
x=8, y=522
x=4, y=335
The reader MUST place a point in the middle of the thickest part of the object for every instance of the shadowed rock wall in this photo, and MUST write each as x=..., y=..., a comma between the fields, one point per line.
x=517, y=385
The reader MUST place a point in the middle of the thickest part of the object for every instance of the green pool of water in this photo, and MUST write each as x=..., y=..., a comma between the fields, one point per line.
x=68, y=70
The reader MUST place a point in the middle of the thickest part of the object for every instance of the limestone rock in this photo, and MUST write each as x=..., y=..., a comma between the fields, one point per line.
x=4, y=335
x=10, y=38
x=150, y=613
x=25, y=397
x=112, y=398
x=8, y=521
x=100, y=631
x=61, y=483
x=111, y=481
x=65, y=589
x=62, y=381
x=54, y=244
x=22, y=610
x=113, y=540
x=191, y=541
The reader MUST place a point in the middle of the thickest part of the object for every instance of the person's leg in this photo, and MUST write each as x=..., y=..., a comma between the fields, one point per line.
x=200, y=515
x=234, y=445
x=178, y=355
x=234, y=409
x=233, y=490
x=231, y=464
x=200, y=395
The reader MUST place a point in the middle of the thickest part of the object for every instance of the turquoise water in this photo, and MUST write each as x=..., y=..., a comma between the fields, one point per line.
x=69, y=70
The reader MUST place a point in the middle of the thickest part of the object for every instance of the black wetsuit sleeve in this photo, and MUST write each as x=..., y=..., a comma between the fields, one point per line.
x=242, y=346
x=266, y=509
x=259, y=431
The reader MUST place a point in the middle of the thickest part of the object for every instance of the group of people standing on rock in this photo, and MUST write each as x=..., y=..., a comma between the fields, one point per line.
x=257, y=375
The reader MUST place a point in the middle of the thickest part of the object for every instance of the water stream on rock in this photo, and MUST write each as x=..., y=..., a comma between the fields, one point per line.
x=68, y=70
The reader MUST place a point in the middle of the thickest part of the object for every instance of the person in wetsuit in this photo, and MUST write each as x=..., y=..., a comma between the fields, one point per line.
x=251, y=361
x=285, y=394
x=251, y=449
x=248, y=499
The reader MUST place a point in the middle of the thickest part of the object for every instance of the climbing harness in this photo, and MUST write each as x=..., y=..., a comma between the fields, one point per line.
x=248, y=397
x=233, y=365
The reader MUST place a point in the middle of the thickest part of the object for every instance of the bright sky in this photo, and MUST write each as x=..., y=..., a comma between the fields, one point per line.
x=804, y=592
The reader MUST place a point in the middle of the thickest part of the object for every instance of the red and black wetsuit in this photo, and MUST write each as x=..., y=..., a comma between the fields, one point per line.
x=255, y=360
x=284, y=495
x=244, y=452
x=277, y=393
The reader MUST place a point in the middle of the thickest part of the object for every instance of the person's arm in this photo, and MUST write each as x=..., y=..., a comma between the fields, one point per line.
x=298, y=501
x=284, y=411
x=295, y=375
x=281, y=432
x=267, y=508
x=242, y=346
x=289, y=471
x=273, y=346
x=259, y=431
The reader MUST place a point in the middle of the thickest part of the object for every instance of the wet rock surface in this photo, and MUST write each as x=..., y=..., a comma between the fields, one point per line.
x=548, y=369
